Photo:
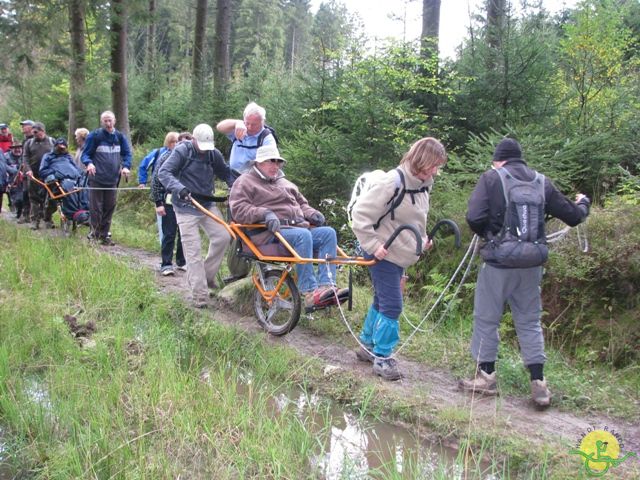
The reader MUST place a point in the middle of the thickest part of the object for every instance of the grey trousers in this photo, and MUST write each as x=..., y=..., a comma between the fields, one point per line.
x=201, y=274
x=520, y=288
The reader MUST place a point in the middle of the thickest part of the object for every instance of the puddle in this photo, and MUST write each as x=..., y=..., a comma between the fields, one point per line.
x=359, y=448
x=6, y=470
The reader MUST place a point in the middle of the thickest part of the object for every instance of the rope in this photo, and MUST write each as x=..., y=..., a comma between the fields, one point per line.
x=470, y=251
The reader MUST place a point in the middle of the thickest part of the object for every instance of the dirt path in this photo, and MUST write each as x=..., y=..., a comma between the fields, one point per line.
x=430, y=387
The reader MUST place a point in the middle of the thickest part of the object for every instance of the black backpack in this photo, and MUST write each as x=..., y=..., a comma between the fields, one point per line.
x=266, y=131
x=521, y=242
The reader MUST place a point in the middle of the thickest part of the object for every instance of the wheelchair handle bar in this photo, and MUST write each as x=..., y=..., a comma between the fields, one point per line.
x=413, y=229
x=452, y=225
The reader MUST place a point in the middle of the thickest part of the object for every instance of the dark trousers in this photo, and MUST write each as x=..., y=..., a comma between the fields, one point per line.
x=102, y=204
x=41, y=205
x=26, y=204
x=170, y=234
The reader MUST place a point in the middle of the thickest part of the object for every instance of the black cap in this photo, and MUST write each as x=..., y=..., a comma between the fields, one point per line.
x=507, y=149
x=61, y=141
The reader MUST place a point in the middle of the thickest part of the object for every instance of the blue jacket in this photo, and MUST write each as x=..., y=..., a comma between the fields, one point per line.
x=59, y=165
x=149, y=162
x=187, y=168
x=108, y=152
x=6, y=171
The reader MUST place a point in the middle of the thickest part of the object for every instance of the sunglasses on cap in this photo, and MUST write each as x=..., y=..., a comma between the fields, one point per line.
x=276, y=160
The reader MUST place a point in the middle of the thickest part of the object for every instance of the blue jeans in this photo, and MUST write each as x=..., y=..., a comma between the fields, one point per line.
x=307, y=241
x=387, y=294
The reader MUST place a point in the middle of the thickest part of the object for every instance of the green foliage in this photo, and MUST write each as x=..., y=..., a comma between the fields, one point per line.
x=592, y=299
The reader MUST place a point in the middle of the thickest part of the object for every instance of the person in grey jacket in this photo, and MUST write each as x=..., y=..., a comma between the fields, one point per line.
x=189, y=172
x=499, y=283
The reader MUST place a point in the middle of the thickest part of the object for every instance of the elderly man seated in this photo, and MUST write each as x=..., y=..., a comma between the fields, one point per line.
x=263, y=195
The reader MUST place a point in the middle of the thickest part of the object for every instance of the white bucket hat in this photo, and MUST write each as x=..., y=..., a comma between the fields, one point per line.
x=203, y=134
x=268, y=152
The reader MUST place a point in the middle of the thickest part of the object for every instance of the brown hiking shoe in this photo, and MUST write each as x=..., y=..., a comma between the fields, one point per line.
x=483, y=383
x=540, y=394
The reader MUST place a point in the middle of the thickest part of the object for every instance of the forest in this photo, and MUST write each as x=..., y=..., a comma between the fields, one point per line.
x=565, y=85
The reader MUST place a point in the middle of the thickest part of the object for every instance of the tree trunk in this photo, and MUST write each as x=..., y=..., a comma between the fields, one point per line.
x=430, y=27
x=151, y=40
x=77, y=81
x=223, y=40
x=119, y=64
x=197, y=78
x=496, y=10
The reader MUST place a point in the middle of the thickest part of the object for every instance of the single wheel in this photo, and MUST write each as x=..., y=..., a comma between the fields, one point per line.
x=283, y=314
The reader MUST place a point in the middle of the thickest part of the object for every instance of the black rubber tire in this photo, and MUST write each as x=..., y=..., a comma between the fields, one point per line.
x=284, y=313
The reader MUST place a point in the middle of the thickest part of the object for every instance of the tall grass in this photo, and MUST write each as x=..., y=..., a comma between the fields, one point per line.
x=137, y=405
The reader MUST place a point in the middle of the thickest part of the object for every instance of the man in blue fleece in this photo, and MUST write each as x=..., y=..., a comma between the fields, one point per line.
x=107, y=155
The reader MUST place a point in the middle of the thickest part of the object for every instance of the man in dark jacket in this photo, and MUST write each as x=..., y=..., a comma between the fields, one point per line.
x=499, y=283
x=189, y=172
x=107, y=155
x=33, y=151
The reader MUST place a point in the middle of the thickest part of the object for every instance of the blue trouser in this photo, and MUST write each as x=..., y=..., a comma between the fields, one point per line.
x=305, y=241
x=380, y=329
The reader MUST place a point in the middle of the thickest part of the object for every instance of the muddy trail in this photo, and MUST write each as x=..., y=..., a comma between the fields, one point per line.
x=423, y=386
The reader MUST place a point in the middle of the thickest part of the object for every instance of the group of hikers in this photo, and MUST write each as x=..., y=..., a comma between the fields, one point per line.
x=41, y=159
x=507, y=209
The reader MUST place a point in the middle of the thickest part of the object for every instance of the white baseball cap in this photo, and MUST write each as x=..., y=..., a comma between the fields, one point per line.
x=203, y=134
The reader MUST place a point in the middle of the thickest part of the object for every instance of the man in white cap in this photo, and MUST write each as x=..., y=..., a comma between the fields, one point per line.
x=263, y=195
x=189, y=172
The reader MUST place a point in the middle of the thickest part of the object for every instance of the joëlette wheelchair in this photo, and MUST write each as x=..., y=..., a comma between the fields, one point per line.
x=276, y=299
x=74, y=202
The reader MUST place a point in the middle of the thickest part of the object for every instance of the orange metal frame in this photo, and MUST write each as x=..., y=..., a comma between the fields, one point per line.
x=239, y=230
x=47, y=187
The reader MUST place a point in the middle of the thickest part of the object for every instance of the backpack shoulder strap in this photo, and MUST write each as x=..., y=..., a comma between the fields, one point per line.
x=396, y=198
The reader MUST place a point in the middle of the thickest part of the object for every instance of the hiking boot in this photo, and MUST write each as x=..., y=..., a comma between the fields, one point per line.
x=107, y=242
x=200, y=303
x=386, y=368
x=364, y=354
x=35, y=225
x=483, y=383
x=540, y=394
x=23, y=219
x=182, y=268
x=167, y=271
x=49, y=224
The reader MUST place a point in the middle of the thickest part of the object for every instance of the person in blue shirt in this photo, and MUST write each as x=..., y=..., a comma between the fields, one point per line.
x=107, y=155
x=247, y=135
x=148, y=163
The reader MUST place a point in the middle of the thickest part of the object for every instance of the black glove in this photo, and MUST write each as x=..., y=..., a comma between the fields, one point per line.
x=317, y=219
x=184, y=195
x=272, y=222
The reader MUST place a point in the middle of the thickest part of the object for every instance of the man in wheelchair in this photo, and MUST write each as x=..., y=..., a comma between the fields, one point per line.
x=263, y=195
x=59, y=166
